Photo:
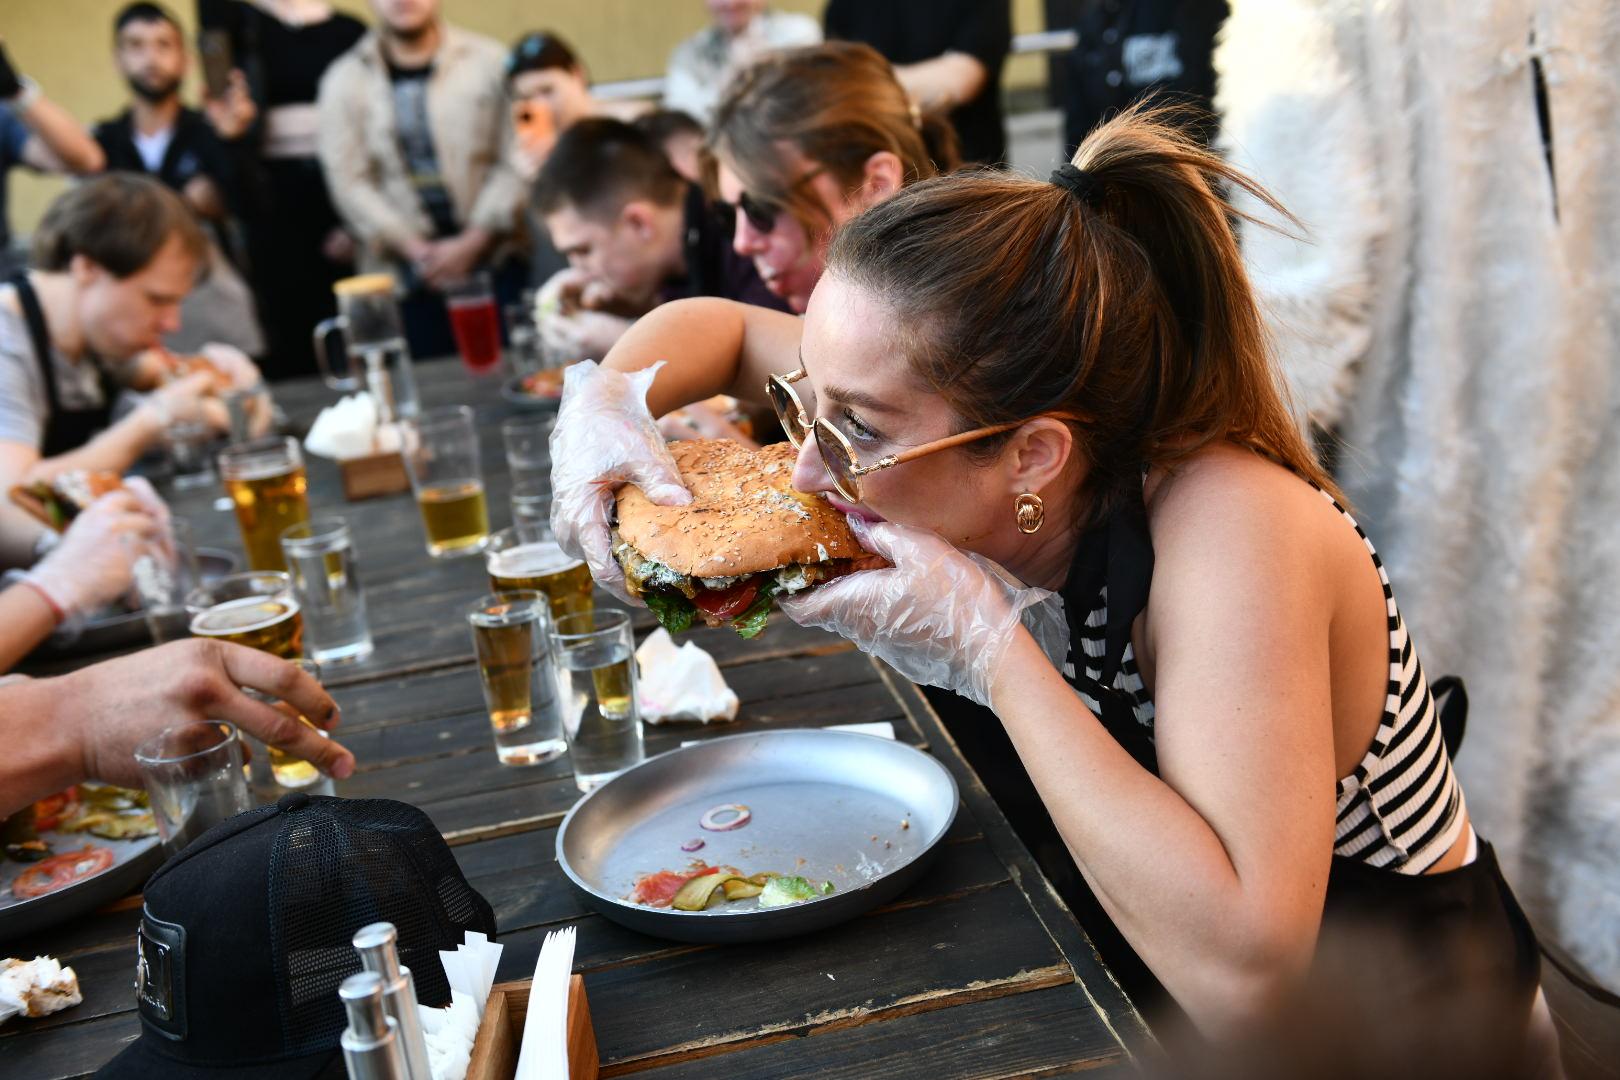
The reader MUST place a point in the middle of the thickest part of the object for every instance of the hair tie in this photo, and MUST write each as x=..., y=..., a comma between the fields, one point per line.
x=1077, y=182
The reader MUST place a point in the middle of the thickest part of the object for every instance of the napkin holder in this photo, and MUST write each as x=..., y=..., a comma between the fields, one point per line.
x=500, y=1033
x=371, y=475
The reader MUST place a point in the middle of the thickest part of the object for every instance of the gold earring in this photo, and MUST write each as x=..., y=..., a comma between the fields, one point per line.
x=1030, y=511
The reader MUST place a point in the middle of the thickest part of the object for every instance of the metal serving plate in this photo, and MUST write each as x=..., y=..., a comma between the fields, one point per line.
x=513, y=394
x=827, y=805
x=134, y=861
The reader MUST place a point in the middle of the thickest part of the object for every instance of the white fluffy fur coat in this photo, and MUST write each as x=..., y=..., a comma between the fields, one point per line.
x=1455, y=313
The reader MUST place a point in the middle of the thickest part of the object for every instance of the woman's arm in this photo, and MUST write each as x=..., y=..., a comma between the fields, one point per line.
x=710, y=347
x=27, y=618
x=1215, y=873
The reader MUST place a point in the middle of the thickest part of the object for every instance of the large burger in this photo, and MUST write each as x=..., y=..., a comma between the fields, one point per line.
x=746, y=537
x=58, y=501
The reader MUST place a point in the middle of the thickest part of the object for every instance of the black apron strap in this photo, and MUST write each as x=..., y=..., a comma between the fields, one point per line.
x=65, y=429
x=40, y=336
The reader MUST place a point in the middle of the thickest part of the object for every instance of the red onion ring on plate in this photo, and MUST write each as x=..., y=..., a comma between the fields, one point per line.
x=711, y=817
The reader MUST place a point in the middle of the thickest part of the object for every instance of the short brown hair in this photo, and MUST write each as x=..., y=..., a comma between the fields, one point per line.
x=1127, y=304
x=119, y=221
x=599, y=165
x=837, y=104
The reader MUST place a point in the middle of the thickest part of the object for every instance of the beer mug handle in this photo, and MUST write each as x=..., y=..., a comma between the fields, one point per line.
x=338, y=376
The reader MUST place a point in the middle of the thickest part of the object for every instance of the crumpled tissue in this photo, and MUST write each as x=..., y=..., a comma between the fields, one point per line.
x=350, y=429
x=681, y=684
x=450, y=1033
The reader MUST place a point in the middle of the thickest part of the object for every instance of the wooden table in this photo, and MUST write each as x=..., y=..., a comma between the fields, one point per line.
x=977, y=970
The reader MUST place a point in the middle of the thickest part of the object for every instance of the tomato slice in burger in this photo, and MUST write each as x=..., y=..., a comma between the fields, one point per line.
x=727, y=603
x=60, y=871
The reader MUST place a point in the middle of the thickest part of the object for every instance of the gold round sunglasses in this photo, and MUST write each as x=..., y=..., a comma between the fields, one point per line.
x=838, y=456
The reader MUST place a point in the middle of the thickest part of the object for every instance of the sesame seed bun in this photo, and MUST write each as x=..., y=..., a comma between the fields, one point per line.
x=745, y=516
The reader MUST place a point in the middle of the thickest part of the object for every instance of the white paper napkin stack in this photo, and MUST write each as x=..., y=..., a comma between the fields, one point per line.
x=350, y=429
x=681, y=684
x=544, y=1054
x=450, y=1033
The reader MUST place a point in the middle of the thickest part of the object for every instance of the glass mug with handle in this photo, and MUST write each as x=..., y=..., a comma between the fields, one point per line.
x=375, y=354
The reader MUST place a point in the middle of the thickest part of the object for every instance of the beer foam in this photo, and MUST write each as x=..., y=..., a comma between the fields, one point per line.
x=531, y=560
x=241, y=616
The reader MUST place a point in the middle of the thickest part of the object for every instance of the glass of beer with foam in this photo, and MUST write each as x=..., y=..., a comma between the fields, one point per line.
x=525, y=557
x=266, y=482
x=441, y=454
x=257, y=609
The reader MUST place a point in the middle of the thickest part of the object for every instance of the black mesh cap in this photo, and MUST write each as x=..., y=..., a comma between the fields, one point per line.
x=247, y=933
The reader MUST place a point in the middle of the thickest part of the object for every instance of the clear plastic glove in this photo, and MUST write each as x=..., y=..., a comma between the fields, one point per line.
x=939, y=616
x=93, y=565
x=190, y=398
x=235, y=363
x=605, y=437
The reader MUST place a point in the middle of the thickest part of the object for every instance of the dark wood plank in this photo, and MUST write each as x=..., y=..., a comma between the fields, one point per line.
x=1024, y=1035
x=76, y=1051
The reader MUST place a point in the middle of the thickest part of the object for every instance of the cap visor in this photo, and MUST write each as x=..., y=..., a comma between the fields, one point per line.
x=140, y=1059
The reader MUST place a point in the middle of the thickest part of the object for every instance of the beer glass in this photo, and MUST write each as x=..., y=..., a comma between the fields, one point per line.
x=475, y=322
x=266, y=482
x=189, y=442
x=376, y=358
x=326, y=582
x=441, y=453
x=164, y=579
x=531, y=503
x=600, y=717
x=286, y=770
x=194, y=779
x=521, y=687
x=528, y=447
x=525, y=557
x=256, y=609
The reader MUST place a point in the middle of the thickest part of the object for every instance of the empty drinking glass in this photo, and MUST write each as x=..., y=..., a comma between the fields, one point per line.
x=528, y=447
x=531, y=503
x=325, y=579
x=193, y=775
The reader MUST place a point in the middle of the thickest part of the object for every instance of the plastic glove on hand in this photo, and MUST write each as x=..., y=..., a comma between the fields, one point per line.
x=605, y=437
x=939, y=616
x=93, y=564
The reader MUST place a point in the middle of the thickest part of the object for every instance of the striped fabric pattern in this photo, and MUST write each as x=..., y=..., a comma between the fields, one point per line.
x=1401, y=808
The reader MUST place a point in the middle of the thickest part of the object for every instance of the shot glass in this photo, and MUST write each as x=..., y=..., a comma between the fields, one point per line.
x=528, y=447
x=441, y=455
x=511, y=637
x=475, y=322
x=276, y=772
x=531, y=503
x=189, y=443
x=193, y=775
x=325, y=580
x=596, y=651
x=164, y=579
x=267, y=484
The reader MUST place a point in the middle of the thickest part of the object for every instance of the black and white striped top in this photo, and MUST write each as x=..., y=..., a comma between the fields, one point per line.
x=1401, y=808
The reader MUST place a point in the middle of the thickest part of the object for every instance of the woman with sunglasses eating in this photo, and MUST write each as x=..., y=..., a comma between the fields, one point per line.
x=805, y=139
x=1021, y=390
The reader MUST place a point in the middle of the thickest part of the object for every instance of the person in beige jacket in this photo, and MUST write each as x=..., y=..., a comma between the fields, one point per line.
x=413, y=138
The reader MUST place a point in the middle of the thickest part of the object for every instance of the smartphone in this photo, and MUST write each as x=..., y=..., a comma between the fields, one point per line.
x=215, y=47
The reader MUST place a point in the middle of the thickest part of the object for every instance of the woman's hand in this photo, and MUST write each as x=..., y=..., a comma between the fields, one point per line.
x=605, y=437
x=938, y=616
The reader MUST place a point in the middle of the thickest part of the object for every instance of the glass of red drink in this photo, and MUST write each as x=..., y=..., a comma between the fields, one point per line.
x=476, y=322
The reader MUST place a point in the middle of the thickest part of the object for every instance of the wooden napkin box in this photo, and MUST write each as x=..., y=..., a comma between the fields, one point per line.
x=500, y=1033
x=372, y=475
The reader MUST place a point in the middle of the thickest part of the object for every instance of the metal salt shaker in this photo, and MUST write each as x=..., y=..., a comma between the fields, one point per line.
x=371, y=1045
x=378, y=946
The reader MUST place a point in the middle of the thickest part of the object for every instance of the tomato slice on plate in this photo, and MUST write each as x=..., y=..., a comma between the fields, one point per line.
x=657, y=890
x=727, y=603
x=60, y=871
x=51, y=812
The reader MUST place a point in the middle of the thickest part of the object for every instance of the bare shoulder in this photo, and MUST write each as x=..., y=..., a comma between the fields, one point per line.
x=1230, y=515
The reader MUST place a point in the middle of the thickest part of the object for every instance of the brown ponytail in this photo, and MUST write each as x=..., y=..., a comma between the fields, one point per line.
x=837, y=104
x=1124, y=300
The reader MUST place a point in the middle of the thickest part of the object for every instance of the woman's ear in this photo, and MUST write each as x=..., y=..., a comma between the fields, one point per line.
x=881, y=176
x=1037, y=455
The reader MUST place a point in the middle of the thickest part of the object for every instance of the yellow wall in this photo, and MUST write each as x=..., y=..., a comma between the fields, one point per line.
x=65, y=45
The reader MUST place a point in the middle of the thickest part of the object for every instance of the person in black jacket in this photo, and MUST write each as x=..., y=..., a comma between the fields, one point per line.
x=948, y=54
